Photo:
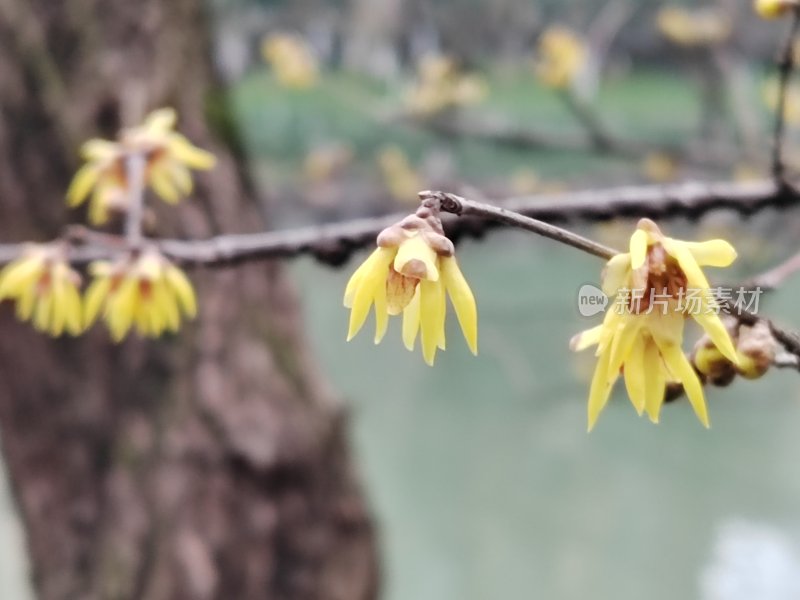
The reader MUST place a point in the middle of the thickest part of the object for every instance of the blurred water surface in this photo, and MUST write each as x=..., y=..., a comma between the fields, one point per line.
x=484, y=480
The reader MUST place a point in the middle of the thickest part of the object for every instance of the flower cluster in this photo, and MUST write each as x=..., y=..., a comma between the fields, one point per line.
x=168, y=157
x=562, y=57
x=441, y=85
x=292, y=61
x=142, y=290
x=646, y=345
x=45, y=290
x=410, y=273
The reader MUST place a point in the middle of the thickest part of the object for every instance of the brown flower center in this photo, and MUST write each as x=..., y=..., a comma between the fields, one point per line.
x=400, y=289
x=664, y=281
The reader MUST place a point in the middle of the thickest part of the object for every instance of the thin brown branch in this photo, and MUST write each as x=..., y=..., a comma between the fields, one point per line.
x=776, y=276
x=598, y=134
x=334, y=243
x=785, y=68
x=134, y=168
x=462, y=207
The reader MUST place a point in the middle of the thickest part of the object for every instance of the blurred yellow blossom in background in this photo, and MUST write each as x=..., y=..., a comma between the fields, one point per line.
x=642, y=332
x=772, y=9
x=694, y=27
x=410, y=273
x=45, y=290
x=561, y=58
x=399, y=176
x=770, y=93
x=441, y=85
x=143, y=290
x=326, y=161
x=660, y=167
x=291, y=59
x=168, y=157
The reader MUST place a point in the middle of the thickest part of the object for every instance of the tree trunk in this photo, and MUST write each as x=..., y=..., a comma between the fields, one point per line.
x=210, y=465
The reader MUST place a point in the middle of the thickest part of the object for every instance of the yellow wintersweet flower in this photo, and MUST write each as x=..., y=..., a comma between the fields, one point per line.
x=659, y=283
x=168, y=155
x=45, y=289
x=143, y=290
x=411, y=272
x=772, y=9
x=698, y=27
x=561, y=57
x=291, y=59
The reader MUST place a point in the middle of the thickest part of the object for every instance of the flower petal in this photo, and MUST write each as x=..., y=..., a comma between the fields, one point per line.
x=682, y=369
x=72, y=310
x=655, y=379
x=82, y=184
x=95, y=296
x=97, y=149
x=695, y=278
x=600, y=389
x=381, y=313
x=162, y=184
x=182, y=288
x=378, y=255
x=623, y=341
x=638, y=248
x=713, y=253
x=616, y=273
x=19, y=275
x=462, y=299
x=26, y=302
x=411, y=321
x=415, y=258
x=181, y=177
x=369, y=282
x=43, y=313
x=585, y=339
x=183, y=150
x=160, y=121
x=431, y=296
x=122, y=308
x=635, y=379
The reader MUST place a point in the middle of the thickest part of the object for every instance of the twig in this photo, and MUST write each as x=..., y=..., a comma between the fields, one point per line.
x=599, y=136
x=134, y=171
x=786, y=361
x=333, y=244
x=459, y=206
x=785, y=68
x=773, y=278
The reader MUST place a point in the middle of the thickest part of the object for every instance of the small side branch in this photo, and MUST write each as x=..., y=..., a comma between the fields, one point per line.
x=457, y=205
x=135, y=172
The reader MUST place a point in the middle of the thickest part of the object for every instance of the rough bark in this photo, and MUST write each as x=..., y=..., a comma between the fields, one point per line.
x=210, y=465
